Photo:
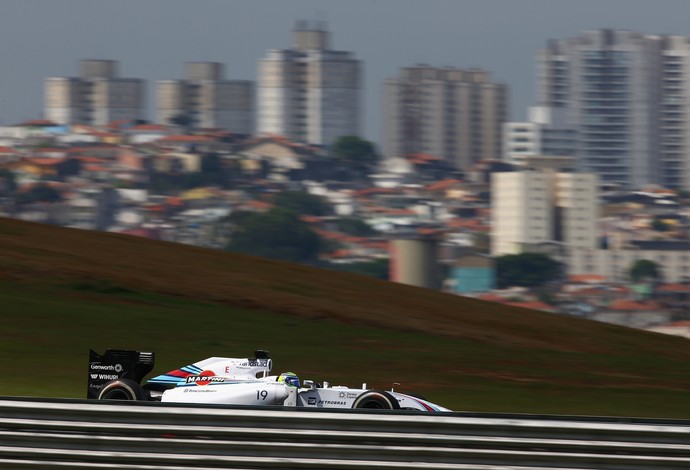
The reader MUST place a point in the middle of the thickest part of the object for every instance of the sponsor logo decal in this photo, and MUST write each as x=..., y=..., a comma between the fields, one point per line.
x=113, y=367
x=104, y=376
x=331, y=402
x=204, y=378
x=311, y=401
x=197, y=390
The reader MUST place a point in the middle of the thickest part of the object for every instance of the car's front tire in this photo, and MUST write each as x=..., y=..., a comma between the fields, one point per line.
x=123, y=389
x=376, y=400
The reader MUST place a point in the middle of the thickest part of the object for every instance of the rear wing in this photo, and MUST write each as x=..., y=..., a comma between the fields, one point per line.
x=116, y=364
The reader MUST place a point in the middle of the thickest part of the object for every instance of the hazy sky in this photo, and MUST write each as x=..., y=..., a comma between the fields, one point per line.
x=153, y=38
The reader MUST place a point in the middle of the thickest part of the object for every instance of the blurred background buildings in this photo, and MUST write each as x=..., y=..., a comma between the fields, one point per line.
x=309, y=93
x=98, y=96
x=205, y=99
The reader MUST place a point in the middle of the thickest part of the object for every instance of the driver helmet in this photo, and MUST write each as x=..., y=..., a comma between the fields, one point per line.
x=289, y=378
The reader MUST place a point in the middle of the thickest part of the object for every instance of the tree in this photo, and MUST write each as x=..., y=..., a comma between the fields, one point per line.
x=355, y=153
x=213, y=171
x=8, y=182
x=278, y=234
x=683, y=193
x=302, y=203
x=182, y=120
x=355, y=227
x=660, y=225
x=481, y=242
x=39, y=193
x=379, y=268
x=526, y=270
x=644, y=269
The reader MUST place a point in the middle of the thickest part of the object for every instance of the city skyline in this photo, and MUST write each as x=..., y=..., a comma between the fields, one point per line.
x=151, y=39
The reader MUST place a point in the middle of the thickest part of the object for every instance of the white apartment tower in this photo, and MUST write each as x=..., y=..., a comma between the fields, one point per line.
x=97, y=97
x=674, y=117
x=309, y=93
x=546, y=133
x=207, y=99
x=627, y=94
x=531, y=208
x=451, y=113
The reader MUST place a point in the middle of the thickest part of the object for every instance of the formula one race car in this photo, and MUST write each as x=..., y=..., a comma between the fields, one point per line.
x=117, y=375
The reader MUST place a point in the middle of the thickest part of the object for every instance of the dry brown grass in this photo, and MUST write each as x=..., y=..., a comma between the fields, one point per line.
x=46, y=254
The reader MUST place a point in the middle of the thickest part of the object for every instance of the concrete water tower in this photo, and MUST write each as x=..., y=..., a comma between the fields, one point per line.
x=414, y=261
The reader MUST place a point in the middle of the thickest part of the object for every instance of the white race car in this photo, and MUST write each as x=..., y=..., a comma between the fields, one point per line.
x=117, y=375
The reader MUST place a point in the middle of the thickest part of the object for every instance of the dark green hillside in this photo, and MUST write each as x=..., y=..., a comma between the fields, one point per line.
x=64, y=291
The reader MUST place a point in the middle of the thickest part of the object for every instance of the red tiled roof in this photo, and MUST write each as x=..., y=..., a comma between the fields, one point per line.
x=492, y=298
x=92, y=148
x=341, y=253
x=148, y=127
x=38, y=122
x=118, y=123
x=587, y=278
x=87, y=159
x=7, y=150
x=474, y=224
x=44, y=161
x=155, y=207
x=674, y=288
x=174, y=201
x=429, y=231
x=375, y=244
x=442, y=185
x=310, y=219
x=601, y=291
x=423, y=157
x=343, y=237
x=96, y=168
x=256, y=204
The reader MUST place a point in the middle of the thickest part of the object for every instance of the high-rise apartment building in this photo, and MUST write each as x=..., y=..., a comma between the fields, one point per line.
x=545, y=133
x=674, y=112
x=206, y=99
x=451, y=113
x=627, y=94
x=309, y=93
x=530, y=208
x=97, y=97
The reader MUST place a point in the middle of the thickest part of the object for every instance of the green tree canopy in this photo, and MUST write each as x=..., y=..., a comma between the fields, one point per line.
x=526, y=270
x=277, y=234
x=182, y=120
x=355, y=227
x=644, y=269
x=379, y=268
x=302, y=203
x=8, y=182
x=40, y=193
x=355, y=153
x=660, y=225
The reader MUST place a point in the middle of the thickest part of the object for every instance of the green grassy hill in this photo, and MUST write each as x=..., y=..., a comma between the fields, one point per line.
x=64, y=291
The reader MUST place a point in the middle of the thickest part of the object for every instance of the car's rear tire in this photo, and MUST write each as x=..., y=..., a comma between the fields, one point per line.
x=123, y=389
x=376, y=400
